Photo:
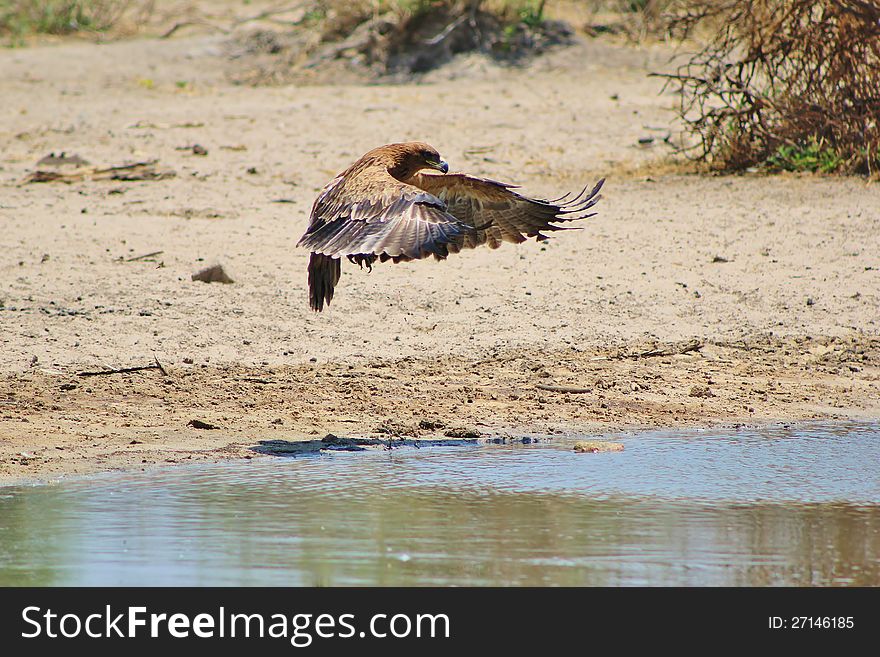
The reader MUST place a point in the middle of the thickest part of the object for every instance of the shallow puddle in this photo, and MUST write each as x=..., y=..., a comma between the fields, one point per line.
x=797, y=506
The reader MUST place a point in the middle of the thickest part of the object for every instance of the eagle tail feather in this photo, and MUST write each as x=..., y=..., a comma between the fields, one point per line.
x=324, y=273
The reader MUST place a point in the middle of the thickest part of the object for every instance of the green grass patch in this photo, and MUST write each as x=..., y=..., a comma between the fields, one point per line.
x=20, y=18
x=531, y=12
x=812, y=155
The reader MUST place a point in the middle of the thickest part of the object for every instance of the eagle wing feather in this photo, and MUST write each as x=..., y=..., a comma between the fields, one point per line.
x=375, y=214
x=499, y=214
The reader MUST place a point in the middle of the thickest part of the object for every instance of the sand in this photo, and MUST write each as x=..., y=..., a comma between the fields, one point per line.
x=775, y=279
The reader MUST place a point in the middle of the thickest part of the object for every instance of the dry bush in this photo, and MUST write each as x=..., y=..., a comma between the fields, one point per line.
x=792, y=84
x=395, y=40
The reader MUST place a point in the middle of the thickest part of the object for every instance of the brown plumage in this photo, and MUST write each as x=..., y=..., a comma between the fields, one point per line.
x=384, y=207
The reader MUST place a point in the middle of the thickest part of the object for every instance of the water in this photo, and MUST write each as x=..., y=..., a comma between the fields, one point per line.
x=779, y=506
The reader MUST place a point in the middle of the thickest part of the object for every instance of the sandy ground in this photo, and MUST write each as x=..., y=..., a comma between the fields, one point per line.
x=776, y=278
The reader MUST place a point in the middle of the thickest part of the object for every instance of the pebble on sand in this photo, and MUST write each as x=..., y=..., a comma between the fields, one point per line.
x=212, y=274
x=700, y=391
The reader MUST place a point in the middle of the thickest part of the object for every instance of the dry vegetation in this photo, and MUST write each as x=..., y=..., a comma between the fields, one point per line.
x=637, y=20
x=394, y=39
x=21, y=17
x=783, y=85
x=790, y=85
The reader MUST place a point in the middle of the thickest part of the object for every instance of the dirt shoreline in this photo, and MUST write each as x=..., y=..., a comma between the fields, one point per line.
x=57, y=424
x=777, y=278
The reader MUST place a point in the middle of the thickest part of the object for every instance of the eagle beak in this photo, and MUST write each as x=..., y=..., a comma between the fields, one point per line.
x=441, y=166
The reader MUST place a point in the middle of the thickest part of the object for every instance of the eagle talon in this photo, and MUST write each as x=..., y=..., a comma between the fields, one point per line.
x=361, y=260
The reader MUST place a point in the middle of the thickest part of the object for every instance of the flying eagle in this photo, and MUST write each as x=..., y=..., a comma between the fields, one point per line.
x=383, y=207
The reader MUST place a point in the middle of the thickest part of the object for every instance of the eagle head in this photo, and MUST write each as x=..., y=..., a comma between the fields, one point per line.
x=407, y=159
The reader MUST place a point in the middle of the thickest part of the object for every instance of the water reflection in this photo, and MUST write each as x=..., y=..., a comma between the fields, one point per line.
x=701, y=510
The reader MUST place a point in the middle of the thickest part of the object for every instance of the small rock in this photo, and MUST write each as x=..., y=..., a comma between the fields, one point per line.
x=596, y=446
x=198, y=424
x=701, y=391
x=719, y=258
x=198, y=149
x=430, y=425
x=212, y=274
x=811, y=301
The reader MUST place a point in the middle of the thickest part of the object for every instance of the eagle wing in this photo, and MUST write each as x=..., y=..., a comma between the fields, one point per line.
x=374, y=214
x=498, y=214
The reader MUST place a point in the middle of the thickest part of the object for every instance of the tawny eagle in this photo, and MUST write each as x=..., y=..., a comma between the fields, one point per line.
x=383, y=207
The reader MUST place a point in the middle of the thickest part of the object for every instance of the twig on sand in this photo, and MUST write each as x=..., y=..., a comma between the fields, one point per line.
x=674, y=350
x=159, y=365
x=147, y=170
x=127, y=370
x=263, y=15
x=571, y=389
x=177, y=26
x=146, y=255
